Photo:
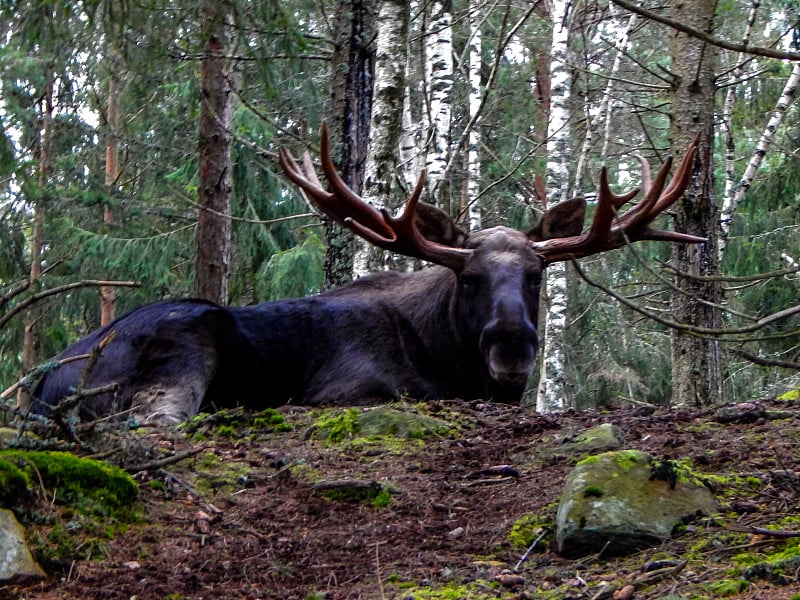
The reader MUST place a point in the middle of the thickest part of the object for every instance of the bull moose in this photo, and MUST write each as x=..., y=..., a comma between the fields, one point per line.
x=462, y=328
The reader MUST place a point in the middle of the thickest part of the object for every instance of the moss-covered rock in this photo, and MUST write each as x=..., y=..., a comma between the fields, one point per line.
x=622, y=501
x=82, y=483
x=14, y=483
x=605, y=436
x=335, y=426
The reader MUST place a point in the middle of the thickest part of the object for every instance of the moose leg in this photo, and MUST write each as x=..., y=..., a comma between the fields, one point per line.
x=174, y=391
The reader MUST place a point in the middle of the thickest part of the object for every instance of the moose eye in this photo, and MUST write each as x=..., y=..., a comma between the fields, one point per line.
x=470, y=280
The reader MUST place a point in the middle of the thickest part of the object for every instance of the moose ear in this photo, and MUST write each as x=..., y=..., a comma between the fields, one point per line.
x=564, y=219
x=437, y=226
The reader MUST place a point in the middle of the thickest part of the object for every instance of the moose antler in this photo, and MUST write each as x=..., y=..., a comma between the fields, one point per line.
x=610, y=230
x=343, y=205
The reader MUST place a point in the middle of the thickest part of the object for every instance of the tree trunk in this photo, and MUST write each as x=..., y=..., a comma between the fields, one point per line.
x=214, y=149
x=381, y=170
x=30, y=339
x=351, y=107
x=439, y=89
x=696, y=371
x=470, y=205
x=108, y=293
x=734, y=193
x=551, y=394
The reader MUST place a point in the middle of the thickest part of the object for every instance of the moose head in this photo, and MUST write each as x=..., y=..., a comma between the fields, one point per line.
x=498, y=271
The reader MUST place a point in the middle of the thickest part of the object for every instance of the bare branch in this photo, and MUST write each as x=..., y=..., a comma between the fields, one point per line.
x=33, y=299
x=702, y=35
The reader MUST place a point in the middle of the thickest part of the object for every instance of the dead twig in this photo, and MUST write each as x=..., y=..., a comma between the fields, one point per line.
x=163, y=462
x=777, y=533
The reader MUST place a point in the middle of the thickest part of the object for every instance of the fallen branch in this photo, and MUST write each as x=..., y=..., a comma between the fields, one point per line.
x=163, y=462
x=778, y=533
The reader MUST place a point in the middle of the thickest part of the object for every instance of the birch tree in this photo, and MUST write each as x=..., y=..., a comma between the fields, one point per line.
x=439, y=89
x=381, y=180
x=551, y=395
x=470, y=203
x=735, y=191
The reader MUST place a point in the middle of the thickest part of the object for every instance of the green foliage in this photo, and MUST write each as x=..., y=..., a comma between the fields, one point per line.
x=295, y=272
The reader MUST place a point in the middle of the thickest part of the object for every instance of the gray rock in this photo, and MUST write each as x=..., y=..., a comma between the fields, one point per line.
x=16, y=563
x=605, y=436
x=622, y=501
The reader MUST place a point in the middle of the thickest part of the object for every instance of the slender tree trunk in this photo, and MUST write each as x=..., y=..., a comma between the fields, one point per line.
x=439, y=86
x=470, y=203
x=30, y=339
x=604, y=111
x=214, y=148
x=351, y=107
x=381, y=187
x=734, y=193
x=108, y=293
x=552, y=382
x=730, y=140
x=696, y=369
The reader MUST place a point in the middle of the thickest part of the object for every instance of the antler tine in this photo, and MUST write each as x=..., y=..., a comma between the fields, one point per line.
x=344, y=206
x=634, y=224
x=607, y=205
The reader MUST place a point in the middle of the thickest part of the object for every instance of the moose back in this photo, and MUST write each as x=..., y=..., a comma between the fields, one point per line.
x=464, y=328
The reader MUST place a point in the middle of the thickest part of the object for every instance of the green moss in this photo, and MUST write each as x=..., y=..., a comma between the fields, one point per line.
x=790, y=396
x=208, y=460
x=226, y=431
x=526, y=529
x=383, y=499
x=592, y=491
x=337, y=426
x=14, y=483
x=78, y=482
x=377, y=495
x=728, y=587
x=478, y=590
x=589, y=460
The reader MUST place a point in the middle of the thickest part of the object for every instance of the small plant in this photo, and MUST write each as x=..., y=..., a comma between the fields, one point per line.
x=592, y=491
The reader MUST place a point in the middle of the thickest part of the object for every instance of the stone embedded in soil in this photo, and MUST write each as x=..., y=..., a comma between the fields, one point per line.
x=16, y=563
x=619, y=502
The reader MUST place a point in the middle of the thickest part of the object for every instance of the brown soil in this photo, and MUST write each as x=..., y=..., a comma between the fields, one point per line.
x=270, y=533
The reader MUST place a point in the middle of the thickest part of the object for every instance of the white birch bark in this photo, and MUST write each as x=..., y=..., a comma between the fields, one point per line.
x=475, y=101
x=380, y=187
x=604, y=111
x=727, y=125
x=734, y=195
x=439, y=87
x=551, y=395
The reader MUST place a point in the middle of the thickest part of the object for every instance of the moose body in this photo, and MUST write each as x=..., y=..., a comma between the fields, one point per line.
x=428, y=334
x=463, y=329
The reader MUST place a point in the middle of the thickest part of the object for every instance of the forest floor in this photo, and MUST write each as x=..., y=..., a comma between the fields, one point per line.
x=259, y=511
